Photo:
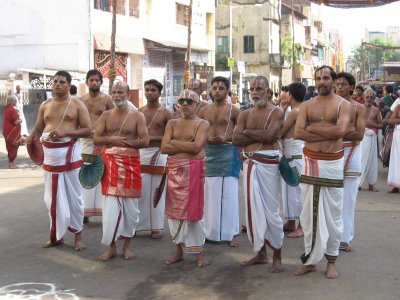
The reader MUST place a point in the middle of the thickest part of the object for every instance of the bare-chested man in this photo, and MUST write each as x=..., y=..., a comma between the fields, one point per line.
x=322, y=122
x=123, y=132
x=221, y=204
x=369, y=145
x=394, y=170
x=293, y=150
x=257, y=131
x=152, y=161
x=184, y=141
x=345, y=83
x=96, y=102
x=61, y=120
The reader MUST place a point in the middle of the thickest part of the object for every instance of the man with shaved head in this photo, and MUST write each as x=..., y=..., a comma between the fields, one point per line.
x=184, y=141
x=122, y=132
x=196, y=86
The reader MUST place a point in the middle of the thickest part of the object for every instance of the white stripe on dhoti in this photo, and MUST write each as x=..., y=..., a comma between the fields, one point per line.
x=261, y=186
x=190, y=235
x=352, y=171
x=394, y=168
x=221, y=208
x=292, y=198
x=62, y=190
x=120, y=217
x=151, y=218
x=92, y=198
x=369, y=158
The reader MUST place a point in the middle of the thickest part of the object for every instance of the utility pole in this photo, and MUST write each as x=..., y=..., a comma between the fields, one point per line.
x=293, y=54
x=188, y=49
x=111, y=71
x=280, y=44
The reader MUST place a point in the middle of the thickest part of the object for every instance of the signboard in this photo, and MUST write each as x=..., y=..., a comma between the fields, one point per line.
x=231, y=62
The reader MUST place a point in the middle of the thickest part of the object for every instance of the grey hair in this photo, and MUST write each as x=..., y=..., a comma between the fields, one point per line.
x=10, y=99
x=369, y=90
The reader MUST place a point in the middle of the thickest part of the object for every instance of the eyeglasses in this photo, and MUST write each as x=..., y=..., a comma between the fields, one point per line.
x=342, y=84
x=187, y=100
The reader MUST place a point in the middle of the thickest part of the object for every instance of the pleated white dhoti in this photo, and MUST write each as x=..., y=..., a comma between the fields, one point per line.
x=190, y=235
x=394, y=166
x=369, y=158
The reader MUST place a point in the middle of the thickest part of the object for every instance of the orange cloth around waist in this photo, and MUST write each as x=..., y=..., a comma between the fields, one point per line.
x=323, y=156
x=156, y=170
x=351, y=144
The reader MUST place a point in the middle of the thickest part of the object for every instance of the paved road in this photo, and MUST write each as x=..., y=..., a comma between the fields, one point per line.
x=370, y=272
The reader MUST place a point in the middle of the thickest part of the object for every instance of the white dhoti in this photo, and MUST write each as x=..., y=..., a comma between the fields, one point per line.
x=92, y=198
x=153, y=164
x=321, y=217
x=394, y=166
x=120, y=216
x=190, y=235
x=221, y=208
x=291, y=195
x=369, y=158
x=63, y=191
x=261, y=183
x=352, y=172
x=20, y=109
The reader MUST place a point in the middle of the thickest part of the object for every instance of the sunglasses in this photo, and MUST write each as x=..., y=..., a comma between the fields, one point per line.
x=187, y=100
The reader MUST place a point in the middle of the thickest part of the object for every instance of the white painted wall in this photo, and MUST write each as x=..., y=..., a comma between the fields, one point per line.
x=44, y=34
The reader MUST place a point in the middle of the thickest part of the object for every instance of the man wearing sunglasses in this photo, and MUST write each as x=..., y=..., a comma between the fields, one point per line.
x=257, y=132
x=221, y=205
x=184, y=141
x=352, y=157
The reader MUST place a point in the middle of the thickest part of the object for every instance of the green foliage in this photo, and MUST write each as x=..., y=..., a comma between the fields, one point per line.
x=287, y=49
x=221, y=62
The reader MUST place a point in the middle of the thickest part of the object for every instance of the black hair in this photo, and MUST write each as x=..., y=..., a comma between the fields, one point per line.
x=156, y=83
x=348, y=76
x=359, y=87
x=332, y=71
x=64, y=74
x=297, y=90
x=94, y=72
x=389, y=89
x=73, y=90
x=222, y=79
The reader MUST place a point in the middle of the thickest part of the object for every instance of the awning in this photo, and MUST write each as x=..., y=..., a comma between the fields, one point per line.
x=123, y=43
x=170, y=44
x=353, y=3
x=51, y=73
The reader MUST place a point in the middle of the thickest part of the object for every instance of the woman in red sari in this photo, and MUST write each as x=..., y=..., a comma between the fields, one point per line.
x=12, y=130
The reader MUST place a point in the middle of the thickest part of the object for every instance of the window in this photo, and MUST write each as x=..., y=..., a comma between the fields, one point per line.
x=248, y=44
x=106, y=5
x=134, y=8
x=222, y=44
x=182, y=14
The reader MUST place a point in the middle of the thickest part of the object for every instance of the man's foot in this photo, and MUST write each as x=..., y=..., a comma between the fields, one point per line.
x=85, y=220
x=256, y=260
x=346, y=247
x=371, y=188
x=331, y=271
x=289, y=225
x=244, y=228
x=156, y=234
x=128, y=253
x=176, y=258
x=11, y=166
x=234, y=242
x=296, y=234
x=201, y=260
x=359, y=188
x=50, y=244
x=79, y=245
x=276, y=262
x=304, y=270
x=110, y=253
x=394, y=191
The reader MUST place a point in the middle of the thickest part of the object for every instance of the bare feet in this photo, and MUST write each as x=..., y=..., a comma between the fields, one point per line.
x=156, y=234
x=256, y=260
x=394, y=191
x=304, y=270
x=296, y=234
x=234, y=242
x=201, y=260
x=128, y=253
x=85, y=220
x=79, y=245
x=331, y=271
x=276, y=262
x=50, y=244
x=244, y=228
x=11, y=165
x=177, y=257
x=345, y=247
x=110, y=253
x=290, y=225
x=371, y=188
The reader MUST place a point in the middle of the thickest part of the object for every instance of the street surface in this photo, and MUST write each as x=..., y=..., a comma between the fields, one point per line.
x=372, y=271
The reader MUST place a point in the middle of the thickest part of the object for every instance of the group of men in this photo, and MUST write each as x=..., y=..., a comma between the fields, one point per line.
x=198, y=152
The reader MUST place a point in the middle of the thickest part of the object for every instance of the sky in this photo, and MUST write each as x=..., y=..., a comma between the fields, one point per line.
x=352, y=22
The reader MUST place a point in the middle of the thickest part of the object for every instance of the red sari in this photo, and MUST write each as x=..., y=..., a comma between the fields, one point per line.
x=11, y=132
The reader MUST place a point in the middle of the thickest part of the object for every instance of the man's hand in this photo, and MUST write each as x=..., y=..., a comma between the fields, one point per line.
x=117, y=141
x=56, y=134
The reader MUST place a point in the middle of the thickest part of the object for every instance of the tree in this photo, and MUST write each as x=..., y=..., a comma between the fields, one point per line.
x=287, y=50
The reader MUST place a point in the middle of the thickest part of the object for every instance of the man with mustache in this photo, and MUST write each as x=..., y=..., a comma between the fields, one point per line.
x=257, y=132
x=96, y=102
x=322, y=123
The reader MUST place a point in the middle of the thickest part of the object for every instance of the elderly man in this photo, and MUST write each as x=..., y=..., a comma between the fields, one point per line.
x=184, y=141
x=196, y=86
x=221, y=207
x=96, y=102
x=152, y=161
x=322, y=122
x=123, y=132
x=257, y=132
x=394, y=170
x=61, y=121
